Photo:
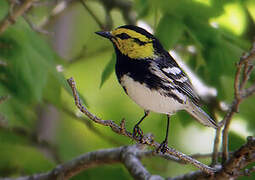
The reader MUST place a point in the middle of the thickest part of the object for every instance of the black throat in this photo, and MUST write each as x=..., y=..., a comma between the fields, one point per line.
x=137, y=69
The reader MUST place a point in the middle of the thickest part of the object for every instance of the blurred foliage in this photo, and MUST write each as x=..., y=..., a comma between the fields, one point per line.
x=220, y=31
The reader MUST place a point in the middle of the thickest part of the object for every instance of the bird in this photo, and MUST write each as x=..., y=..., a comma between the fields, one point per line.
x=152, y=78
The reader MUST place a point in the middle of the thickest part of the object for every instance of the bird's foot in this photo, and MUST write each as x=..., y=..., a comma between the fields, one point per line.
x=162, y=147
x=137, y=132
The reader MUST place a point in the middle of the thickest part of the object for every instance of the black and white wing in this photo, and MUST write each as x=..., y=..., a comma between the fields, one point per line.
x=178, y=78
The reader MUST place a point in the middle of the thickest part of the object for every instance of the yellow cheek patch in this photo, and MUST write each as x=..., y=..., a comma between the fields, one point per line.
x=131, y=48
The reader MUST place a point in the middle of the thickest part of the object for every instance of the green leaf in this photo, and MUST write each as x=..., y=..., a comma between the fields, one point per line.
x=169, y=30
x=25, y=72
x=109, y=68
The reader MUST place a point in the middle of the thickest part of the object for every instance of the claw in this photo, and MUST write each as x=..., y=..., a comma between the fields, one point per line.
x=162, y=147
x=137, y=132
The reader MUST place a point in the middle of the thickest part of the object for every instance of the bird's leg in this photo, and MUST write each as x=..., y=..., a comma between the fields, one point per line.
x=137, y=131
x=163, y=146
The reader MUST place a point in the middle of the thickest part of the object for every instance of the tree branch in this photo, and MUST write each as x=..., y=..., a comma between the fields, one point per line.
x=240, y=159
x=145, y=140
x=133, y=164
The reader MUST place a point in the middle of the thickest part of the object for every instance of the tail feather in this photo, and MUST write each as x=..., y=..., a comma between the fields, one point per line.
x=201, y=116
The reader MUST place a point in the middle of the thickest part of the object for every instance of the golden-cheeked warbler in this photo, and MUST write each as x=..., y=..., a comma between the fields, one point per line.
x=152, y=78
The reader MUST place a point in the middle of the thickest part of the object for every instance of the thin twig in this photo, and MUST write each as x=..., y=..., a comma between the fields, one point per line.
x=11, y=17
x=245, y=66
x=249, y=91
x=145, y=140
x=216, y=143
x=246, y=74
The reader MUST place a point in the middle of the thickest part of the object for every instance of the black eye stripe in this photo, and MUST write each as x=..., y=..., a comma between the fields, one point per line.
x=138, y=41
x=123, y=36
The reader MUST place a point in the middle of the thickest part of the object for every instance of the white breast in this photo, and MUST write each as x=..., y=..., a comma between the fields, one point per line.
x=151, y=99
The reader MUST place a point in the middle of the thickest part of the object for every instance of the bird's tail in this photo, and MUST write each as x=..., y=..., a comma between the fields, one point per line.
x=201, y=116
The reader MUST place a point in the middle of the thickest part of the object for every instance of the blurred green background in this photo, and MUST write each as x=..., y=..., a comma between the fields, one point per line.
x=39, y=125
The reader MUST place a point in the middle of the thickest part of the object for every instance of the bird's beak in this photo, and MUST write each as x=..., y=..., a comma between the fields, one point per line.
x=105, y=34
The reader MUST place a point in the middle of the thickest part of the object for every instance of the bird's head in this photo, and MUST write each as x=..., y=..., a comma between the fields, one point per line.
x=133, y=42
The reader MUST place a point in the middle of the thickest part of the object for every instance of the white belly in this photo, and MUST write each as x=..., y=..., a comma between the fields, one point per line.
x=150, y=99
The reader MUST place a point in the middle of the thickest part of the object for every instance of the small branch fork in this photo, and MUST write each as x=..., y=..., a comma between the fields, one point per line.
x=243, y=72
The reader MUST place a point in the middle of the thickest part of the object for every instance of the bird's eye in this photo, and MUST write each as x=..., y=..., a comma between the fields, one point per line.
x=123, y=36
x=138, y=41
